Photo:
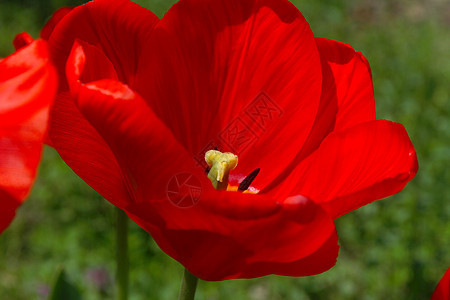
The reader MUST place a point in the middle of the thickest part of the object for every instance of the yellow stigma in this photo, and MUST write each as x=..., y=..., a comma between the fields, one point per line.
x=220, y=166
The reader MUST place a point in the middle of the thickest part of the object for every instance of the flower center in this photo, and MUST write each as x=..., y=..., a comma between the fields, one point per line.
x=220, y=164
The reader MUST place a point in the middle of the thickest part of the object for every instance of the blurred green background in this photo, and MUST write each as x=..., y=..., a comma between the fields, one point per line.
x=397, y=248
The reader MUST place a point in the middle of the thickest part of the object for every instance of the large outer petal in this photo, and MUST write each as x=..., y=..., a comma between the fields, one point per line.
x=442, y=291
x=349, y=83
x=76, y=141
x=8, y=206
x=27, y=86
x=57, y=16
x=112, y=34
x=355, y=166
x=85, y=152
x=347, y=97
x=118, y=28
x=307, y=266
x=206, y=63
x=226, y=234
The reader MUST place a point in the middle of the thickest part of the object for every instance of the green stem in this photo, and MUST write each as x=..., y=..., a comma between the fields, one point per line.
x=122, y=255
x=188, y=286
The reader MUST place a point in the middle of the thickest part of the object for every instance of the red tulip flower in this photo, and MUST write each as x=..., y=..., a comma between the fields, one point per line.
x=27, y=87
x=442, y=291
x=146, y=98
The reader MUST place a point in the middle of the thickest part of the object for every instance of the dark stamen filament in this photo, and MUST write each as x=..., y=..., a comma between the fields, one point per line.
x=245, y=184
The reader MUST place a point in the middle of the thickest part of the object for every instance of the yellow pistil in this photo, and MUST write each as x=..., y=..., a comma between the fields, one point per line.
x=220, y=166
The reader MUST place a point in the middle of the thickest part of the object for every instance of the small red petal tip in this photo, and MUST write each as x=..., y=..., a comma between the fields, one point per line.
x=22, y=40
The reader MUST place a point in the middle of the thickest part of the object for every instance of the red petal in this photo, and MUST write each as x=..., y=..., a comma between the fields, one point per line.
x=117, y=28
x=76, y=140
x=8, y=205
x=87, y=63
x=22, y=39
x=214, y=247
x=442, y=291
x=320, y=261
x=224, y=232
x=27, y=86
x=346, y=100
x=136, y=136
x=356, y=166
x=213, y=68
x=57, y=16
x=85, y=152
x=349, y=84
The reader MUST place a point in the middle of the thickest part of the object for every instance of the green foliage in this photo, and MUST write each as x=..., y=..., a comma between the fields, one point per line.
x=63, y=289
x=392, y=249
